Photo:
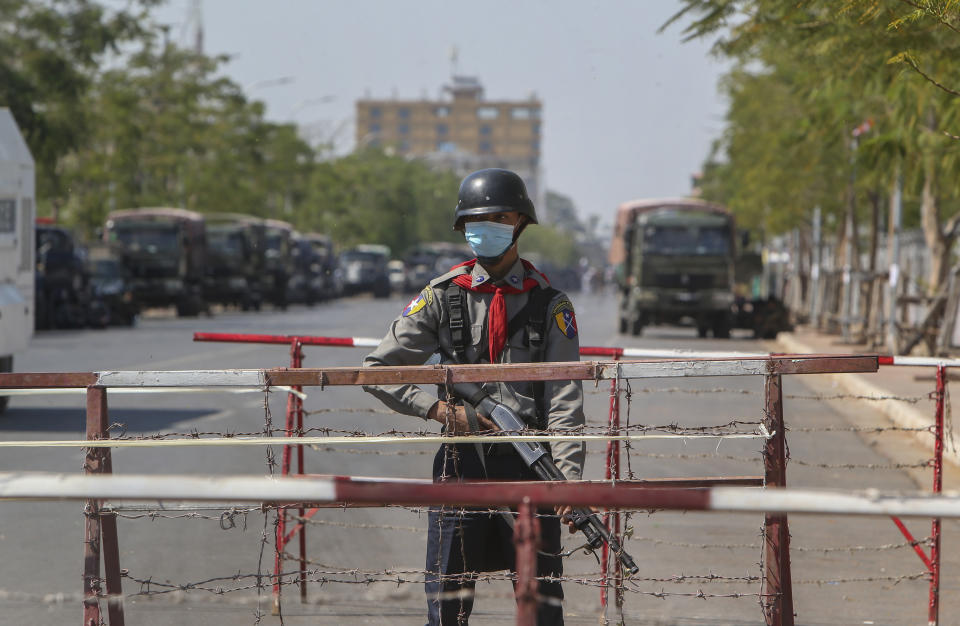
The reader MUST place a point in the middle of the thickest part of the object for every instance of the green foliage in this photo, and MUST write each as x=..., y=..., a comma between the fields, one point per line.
x=50, y=51
x=371, y=197
x=550, y=243
x=805, y=75
x=161, y=126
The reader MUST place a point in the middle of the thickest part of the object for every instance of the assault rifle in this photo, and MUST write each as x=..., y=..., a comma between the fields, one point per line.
x=536, y=457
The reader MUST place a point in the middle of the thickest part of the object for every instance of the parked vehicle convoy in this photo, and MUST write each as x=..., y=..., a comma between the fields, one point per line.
x=397, y=272
x=326, y=257
x=236, y=259
x=112, y=287
x=279, y=261
x=306, y=284
x=365, y=270
x=675, y=264
x=165, y=251
x=429, y=260
x=16, y=244
x=65, y=296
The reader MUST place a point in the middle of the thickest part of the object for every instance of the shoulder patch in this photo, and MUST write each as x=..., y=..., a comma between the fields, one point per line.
x=416, y=305
x=565, y=318
x=562, y=304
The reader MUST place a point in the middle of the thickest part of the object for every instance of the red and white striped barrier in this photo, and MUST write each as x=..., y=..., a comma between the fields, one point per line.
x=601, y=351
x=356, y=490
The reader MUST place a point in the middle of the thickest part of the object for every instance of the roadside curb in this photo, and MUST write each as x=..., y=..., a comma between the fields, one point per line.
x=901, y=413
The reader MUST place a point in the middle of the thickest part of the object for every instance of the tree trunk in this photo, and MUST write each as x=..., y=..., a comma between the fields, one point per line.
x=937, y=242
x=870, y=314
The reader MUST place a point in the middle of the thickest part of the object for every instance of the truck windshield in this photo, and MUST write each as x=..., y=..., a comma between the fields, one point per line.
x=226, y=244
x=686, y=240
x=149, y=237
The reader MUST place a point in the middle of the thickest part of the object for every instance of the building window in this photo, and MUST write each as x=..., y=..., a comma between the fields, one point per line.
x=487, y=113
x=403, y=129
x=536, y=128
x=524, y=113
x=8, y=216
x=374, y=127
x=485, y=130
x=403, y=113
x=375, y=112
x=442, y=129
x=446, y=146
x=442, y=111
x=485, y=147
x=535, y=145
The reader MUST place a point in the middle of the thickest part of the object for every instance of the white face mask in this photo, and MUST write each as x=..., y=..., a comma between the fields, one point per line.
x=488, y=239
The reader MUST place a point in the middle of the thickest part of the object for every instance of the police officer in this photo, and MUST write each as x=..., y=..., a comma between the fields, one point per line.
x=496, y=308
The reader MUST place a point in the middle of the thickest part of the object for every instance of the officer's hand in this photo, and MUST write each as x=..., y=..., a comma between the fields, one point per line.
x=564, y=513
x=454, y=417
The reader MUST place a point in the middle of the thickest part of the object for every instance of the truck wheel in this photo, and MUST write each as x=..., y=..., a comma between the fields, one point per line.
x=702, y=331
x=624, y=325
x=721, y=328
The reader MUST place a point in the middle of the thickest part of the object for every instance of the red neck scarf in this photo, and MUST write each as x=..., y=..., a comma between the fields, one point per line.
x=497, y=327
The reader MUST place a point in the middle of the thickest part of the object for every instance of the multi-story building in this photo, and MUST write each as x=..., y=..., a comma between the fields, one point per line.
x=463, y=132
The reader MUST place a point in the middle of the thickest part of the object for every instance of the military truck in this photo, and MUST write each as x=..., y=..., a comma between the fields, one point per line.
x=65, y=296
x=325, y=256
x=236, y=258
x=365, y=269
x=279, y=261
x=16, y=244
x=674, y=260
x=165, y=251
x=305, y=285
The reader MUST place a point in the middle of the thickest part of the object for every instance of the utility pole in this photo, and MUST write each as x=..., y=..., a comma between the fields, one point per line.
x=893, y=262
x=815, y=271
x=847, y=306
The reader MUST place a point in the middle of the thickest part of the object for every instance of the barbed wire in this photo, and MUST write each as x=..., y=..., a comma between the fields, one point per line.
x=861, y=429
x=864, y=579
x=718, y=430
x=786, y=396
x=226, y=518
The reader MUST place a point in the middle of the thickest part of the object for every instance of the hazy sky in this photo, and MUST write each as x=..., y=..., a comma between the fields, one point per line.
x=627, y=113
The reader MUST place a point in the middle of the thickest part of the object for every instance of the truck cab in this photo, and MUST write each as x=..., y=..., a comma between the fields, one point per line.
x=165, y=251
x=675, y=264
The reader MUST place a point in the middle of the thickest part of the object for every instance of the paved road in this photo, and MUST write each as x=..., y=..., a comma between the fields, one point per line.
x=676, y=551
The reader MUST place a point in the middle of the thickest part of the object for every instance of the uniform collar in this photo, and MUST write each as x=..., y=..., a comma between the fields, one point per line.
x=514, y=277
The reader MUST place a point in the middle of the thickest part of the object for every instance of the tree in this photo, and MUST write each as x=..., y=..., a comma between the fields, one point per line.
x=808, y=73
x=50, y=51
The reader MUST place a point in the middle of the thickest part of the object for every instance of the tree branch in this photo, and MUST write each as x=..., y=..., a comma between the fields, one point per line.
x=909, y=61
x=939, y=18
x=951, y=227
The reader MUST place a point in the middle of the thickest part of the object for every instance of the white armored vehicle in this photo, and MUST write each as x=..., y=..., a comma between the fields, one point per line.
x=16, y=243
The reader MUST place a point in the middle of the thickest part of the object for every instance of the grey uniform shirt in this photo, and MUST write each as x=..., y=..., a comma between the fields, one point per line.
x=423, y=329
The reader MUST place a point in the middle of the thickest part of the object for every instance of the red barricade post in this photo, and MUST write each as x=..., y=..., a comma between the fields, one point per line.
x=100, y=530
x=934, y=613
x=526, y=538
x=293, y=427
x=778, y=586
